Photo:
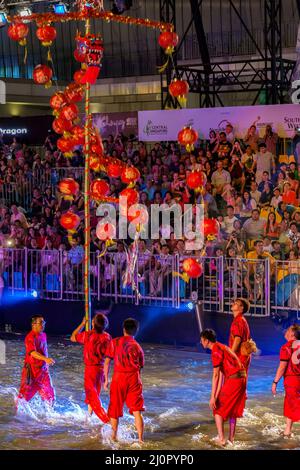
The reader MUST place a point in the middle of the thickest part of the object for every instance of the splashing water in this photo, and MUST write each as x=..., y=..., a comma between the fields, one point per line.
x=176, y=388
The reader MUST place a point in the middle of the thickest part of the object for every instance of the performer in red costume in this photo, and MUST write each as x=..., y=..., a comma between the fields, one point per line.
x=95, y=344
x=289, y=368
x=240, y=331
x=126, y=386
x=228, y=397
x=35, y=374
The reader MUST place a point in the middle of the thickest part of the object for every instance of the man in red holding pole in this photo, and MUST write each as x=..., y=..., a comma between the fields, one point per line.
x=35, y=374
x=228, y=397
x=239, y=330
x=289, y=368
x=126, y=386
x=96, y=342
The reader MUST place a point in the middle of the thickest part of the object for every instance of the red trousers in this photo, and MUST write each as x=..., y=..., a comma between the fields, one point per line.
x=38, y=381
x=232, y=399
x=125, y=388
x=93, y=379
x=292, y=397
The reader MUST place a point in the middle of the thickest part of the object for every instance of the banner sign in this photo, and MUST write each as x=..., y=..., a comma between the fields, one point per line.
x=165, y=125
x=32, y=130
x=116, y=123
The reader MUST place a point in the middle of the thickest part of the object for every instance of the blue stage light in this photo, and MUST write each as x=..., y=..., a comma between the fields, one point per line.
x=3, y=18
x=34, y=294
x=60, y=9
x=190, y=306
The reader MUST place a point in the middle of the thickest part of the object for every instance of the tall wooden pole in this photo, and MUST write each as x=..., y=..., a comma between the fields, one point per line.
x=87, y=223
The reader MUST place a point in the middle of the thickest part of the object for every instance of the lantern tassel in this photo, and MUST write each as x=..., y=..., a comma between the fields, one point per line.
x=108, y=244
x=25, y=54
x=49, y=56
x=162, y=68
x=183, y=276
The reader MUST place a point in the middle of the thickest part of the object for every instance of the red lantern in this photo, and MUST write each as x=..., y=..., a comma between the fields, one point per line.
x=114, y=170
x=132, y=196
x=210, y=227
x=95, y=163
x=77, y=133
x=179, y=89
x=58, y=100
x=187, y=137
x=74, y=92
x=42, y=75
x=78, y=76
x=46, y=34
x=78, y=56
x=69, y=220
x=69, y=112
x=99, y=189
x=196, y=179
x=61, y=125
x=192, y=268
x=105, y=230
x=65, y=145
x=18, y=32
x=168, y=41
x=68, y=186
x=130, y=175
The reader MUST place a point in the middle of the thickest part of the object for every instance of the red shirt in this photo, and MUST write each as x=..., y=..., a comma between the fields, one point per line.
x=224, y=358
x=127, y=354
x=36, y=342
x=290, y=353
x=95, y=346
x=239, y=328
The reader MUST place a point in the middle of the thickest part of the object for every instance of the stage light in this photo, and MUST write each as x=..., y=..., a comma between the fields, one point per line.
x=10, y=243
x=60, y=8
x=3, y=19
x=190, y=306
x=34, y=294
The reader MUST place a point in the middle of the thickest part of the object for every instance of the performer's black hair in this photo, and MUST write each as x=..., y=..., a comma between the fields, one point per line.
x=210, y=335
x=35, y=317
x=131, y=326
x=296, y=330
x=100, y=322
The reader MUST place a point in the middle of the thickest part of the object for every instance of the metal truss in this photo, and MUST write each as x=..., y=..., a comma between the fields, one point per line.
x=266, y=71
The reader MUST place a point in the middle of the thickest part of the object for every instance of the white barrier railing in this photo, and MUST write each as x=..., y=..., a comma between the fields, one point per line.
x=271, y=287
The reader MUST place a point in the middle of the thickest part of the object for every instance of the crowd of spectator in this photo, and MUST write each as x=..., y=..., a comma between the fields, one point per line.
x=250, y=190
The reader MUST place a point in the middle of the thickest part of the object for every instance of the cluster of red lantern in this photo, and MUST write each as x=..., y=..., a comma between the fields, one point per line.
x=168, y=40
x=196, y=180
x=187, y=137
x=192, y=268
x=130, y=175
x=99, y=189
x=46, y=34
x=179, y=89
x=18, y=32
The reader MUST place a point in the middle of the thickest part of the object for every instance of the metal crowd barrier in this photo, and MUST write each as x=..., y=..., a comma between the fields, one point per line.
x=271, y=287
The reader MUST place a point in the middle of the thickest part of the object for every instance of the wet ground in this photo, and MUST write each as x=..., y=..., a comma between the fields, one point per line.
x=176, y=389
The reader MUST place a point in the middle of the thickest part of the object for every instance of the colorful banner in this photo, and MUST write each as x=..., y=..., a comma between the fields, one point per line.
x=165, y=125
x=116, y=123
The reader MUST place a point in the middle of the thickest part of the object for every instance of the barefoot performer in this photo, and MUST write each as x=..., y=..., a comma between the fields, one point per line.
x=228, y=398
x=35, y=374
x=126, y=385
x=96, y=342
x=289, y=368
x=240, y=331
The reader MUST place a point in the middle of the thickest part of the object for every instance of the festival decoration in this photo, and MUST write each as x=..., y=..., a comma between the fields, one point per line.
x=46, y=34
x=58, y=100
x=105, y=231
x=115, y=169
x=179, y=89
x=192, y=268
x=137, y=215
x=95, y=163
x=168, y=40
x=99, y=189
x=69, y=112
x=187, y=137
x=90, y=47
x=68, y=186
x=211, y=228
x=74, y=92
x=18, y=31
x=131, y=195
x=42, y=75
x=78, y=76
x=196, y=180
x=69, y=221
x=130, y=175
x=66, y=145
x=77, y=134
x=60, y=125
